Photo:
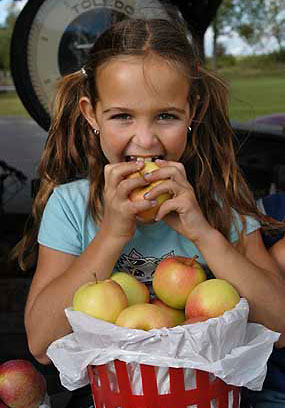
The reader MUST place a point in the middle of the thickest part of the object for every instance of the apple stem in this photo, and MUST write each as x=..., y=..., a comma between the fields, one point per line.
x=193, y=260
x=95, y=276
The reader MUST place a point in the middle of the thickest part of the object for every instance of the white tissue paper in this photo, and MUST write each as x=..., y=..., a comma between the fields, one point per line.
x=227, y=346
x=46, y=402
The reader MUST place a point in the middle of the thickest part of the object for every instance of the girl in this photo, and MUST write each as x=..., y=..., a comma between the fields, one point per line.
x=142, y=95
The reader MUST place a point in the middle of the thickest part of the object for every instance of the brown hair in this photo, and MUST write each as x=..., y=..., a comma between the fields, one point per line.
x=73, y=151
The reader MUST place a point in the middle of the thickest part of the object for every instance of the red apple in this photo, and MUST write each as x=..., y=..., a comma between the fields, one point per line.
x=136, y=291
x=177, y=316
x=138, y=193
x=21, y=384
x=175, y=277
x=196, y=319
x=144, y=316
x=103, y=299
x=211, y=298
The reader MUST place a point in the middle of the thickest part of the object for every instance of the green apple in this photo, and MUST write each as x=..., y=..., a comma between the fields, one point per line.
x=136, y=291
x=144, y=316
x=103, y=299
x=177, y=316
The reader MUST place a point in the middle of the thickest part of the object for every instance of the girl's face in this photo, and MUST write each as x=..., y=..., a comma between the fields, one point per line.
x=142, y=110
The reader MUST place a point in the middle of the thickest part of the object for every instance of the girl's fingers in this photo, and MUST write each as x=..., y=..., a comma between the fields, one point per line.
x=167, y=163
x=168, y=186
x=168, y=170
x=127, y=185
x=115, y=173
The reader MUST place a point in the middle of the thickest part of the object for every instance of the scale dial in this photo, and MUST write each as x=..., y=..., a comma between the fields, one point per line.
x=52, y=38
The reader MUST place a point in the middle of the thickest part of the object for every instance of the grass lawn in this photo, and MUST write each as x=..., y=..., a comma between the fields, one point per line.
x=252, y=97
x=11, y=105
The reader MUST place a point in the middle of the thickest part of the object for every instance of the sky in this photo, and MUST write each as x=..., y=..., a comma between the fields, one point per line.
x=234, y=45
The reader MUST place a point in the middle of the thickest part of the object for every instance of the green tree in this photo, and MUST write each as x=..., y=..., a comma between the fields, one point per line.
x=276, y=21
x=255, y=21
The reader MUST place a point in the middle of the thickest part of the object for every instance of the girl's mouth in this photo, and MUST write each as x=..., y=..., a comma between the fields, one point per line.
x=149, y=158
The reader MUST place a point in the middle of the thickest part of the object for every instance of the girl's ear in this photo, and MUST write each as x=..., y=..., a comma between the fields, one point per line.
x=88, y=111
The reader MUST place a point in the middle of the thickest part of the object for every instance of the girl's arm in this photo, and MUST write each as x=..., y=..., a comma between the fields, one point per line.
x=254, y=274
x=57, y=277
x=277, y=251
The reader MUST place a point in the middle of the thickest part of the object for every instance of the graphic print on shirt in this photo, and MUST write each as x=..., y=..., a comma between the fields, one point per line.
x=142, y=267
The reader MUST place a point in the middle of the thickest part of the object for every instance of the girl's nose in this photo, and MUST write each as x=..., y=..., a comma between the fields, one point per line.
x=145, y=137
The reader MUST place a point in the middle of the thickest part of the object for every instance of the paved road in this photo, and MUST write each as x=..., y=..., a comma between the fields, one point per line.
x=21, y=144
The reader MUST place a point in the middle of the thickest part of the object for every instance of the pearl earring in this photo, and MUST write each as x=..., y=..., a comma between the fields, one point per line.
x=189, y=129
x=96, y=132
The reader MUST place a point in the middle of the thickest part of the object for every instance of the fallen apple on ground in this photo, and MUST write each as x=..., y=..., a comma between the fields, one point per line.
x=136, y=291
x=211, y=298
x=21, y=384
x=175, y=277
x=144, y=316
x=177, y=316
x=138, y=193
x=103, y=299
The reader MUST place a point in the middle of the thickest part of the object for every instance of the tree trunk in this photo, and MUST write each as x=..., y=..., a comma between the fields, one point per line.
x=198, y=14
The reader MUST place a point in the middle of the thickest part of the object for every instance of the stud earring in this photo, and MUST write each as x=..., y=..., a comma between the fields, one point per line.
x=96, y=132
x=189, y=129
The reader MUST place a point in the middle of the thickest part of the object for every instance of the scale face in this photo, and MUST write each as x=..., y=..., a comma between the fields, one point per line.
x=52, y=38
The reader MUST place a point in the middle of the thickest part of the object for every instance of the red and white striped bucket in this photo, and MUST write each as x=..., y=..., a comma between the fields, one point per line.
x=209, y=391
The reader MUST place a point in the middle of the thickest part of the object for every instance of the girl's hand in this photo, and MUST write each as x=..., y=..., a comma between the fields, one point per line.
x=119, y=218
x=182, y=212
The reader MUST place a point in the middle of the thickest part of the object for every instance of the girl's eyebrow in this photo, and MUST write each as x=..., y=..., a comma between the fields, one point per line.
x=164, y=109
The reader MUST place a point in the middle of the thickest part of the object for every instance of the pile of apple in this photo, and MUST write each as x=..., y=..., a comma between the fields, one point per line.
x=21, y=385
x=183, y=295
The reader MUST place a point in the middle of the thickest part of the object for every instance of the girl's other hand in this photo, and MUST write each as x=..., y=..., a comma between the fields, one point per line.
x=119, y=218
x=182, y=212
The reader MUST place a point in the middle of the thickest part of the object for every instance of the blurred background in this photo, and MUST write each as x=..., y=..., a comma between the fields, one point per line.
x=244, y=40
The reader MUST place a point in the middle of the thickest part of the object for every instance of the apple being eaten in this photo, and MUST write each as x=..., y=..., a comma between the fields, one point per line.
x=143, y=316
x=175, y=277
x=211, y=298
x=103, y=300
x=177, y=316
x=21, y=384
x=138, y=193
x=136, y=291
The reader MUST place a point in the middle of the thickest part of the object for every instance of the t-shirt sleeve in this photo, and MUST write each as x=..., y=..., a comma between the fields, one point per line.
x=251, y=225
x=59, y=228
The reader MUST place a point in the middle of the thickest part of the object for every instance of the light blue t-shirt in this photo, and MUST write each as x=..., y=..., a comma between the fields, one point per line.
x=68, y=226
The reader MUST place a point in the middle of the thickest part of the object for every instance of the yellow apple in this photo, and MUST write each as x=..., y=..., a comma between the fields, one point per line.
x=211, y=298
x=175, y=277
x=144, y=316
x=136, y=291
x=177, y=316
x=103, y=299
x=138, y=193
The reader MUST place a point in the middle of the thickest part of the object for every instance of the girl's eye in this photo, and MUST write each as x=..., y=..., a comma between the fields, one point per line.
x=121, y=116
x=167, y=116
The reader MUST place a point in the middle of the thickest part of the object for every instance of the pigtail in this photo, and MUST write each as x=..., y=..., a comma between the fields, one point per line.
x=210, y=160
x=70, y=152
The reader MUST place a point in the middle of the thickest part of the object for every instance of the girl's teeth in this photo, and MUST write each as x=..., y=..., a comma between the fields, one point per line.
x=146, y=159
